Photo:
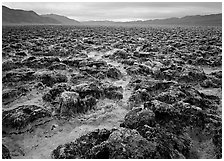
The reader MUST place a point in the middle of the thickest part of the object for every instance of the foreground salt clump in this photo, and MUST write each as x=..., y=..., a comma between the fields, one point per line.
x=71, y=103
x=107, y=144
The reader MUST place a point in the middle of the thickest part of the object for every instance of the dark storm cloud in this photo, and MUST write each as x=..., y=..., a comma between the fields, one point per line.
x=120, y=11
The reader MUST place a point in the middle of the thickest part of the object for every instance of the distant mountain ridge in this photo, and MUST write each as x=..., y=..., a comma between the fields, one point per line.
x=15, y=16
x=205, y=20
x=198, y=20
x=62, y=19
x=11, y=16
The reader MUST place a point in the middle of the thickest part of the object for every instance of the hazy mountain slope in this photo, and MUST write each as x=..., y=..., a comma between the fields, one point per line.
x=62, y=19
x=12, y=16
x=206, y=20
x=213, y=19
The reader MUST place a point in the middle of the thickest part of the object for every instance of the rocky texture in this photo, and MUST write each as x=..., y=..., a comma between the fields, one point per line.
x=139, y=69
x=98, y=67
x=213, y=81
x=112, y=92
x=182, y=114
x=80, y=98
x=5, y=152
x=9, y=95
x=17, y=75
x=171, y=92
x=92, y=89
x=119, y=54
x=168, y=144
x=9, y=65
x=23, y=115
x=49, y=78
x=92, y=63
x=139, y=96
x=55, y=91
x=58, y=66
x=78, y=78
x=139, y=117
x=98, y=90
x=87, y=103
x=42, y=62
x=158, y=79
x=186, y=74
x=103, y=144
x=69, y=103
x=113, y=73
x=217, y=140
x=191, y=74
x=73, y=61
x=159, y=126
x=217, y=74
x=124, y=144
x=82, y=146
x=169, y=109
x=145, y=89
x=159, y=121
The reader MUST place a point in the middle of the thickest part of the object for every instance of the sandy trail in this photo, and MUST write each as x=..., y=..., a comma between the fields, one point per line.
x=42, y=140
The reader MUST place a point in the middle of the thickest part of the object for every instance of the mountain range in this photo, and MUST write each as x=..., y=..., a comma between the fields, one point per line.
x=20, y=17
x=15, y=16
x=62, y=19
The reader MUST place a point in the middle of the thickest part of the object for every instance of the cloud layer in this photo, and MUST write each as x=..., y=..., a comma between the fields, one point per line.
x=119, y=11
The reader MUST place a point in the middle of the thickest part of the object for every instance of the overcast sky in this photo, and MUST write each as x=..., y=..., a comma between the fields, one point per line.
x=119, y=11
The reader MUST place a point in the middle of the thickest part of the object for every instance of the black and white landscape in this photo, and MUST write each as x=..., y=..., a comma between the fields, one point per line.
x=101, y=87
